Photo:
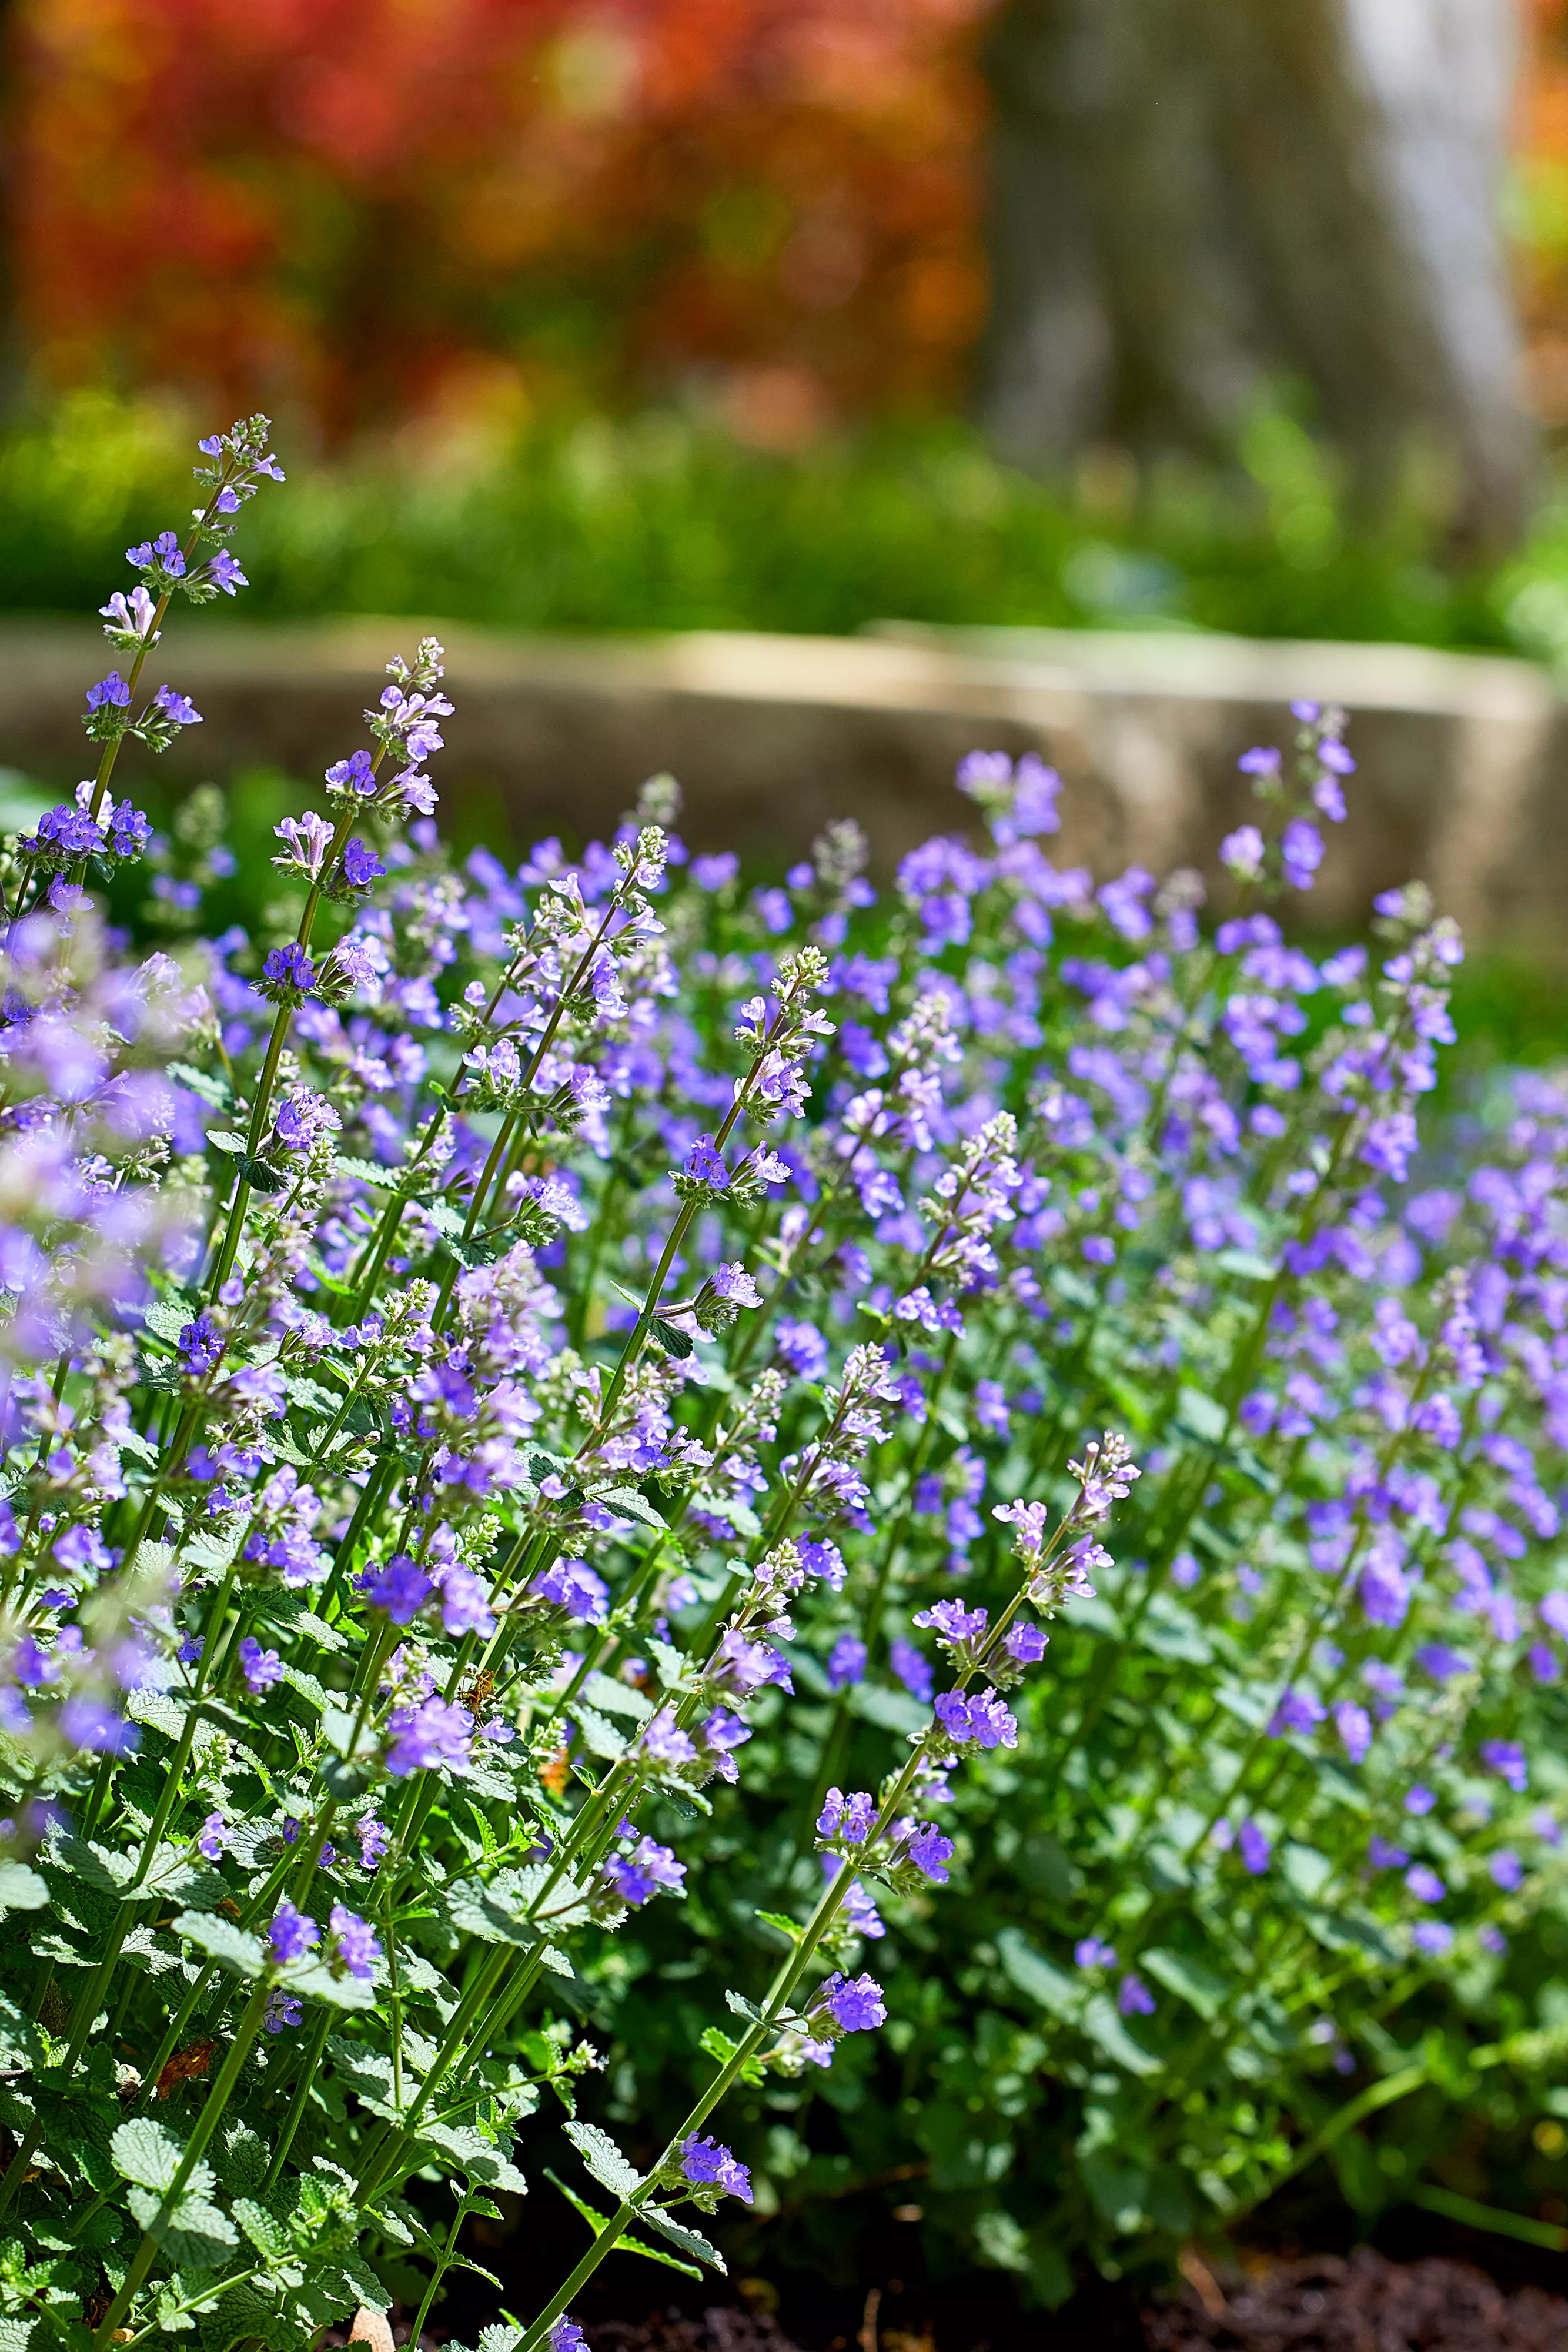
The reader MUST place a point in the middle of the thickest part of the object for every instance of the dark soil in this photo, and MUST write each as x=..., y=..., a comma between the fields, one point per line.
x=1364, y=2302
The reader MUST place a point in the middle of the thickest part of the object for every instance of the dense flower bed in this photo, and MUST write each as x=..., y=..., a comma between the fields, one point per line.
x=551, y=1391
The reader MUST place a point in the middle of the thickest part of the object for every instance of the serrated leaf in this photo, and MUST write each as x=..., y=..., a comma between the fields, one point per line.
x=475, y=2156
x=150, y=2154
x=600, y=1737
x=631, y=1505
x=175, y=1870
x=168, y=1318
x=604, y=2161
x=21, y=1889
x=196, y=2235
x=690, y=2241
x=476, y=1909
x=744, y=2008
x=673, y=1342
x=786, y=1926
x=93, y=1864
x=625, y=2244
x=213, y=1090
x=309, y=1688
x=369, y=1171
x=325, y=1637
x=617, y=1698
x=318, y=1983
x=224, y=1139
x=261, y=1177
x=232, y=1947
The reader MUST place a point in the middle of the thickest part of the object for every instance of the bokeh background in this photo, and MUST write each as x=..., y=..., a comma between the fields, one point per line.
x=806, y=315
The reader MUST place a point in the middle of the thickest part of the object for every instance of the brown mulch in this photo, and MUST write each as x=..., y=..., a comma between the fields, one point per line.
x=1365, y=2305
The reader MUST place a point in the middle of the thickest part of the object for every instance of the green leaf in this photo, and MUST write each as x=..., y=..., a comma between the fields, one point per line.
x=1033, y=1974
x=631, y=1505
x=617, y=1698
x=1247, y=1264
x=476, y=1909
x=1201, y=1416
x=21, y=1889
x=175, y=1870
x=169, y=1318
x=318, y=1983
x=600, y=1737
x=690, y=2241
x=789, y=1929
x=1200, y=1986
x=673, y=1342
x=598, y=2221
x=261, y=1177
x=475, y=2156
x=93, y=1864
x=371, y=1172
x=890, y=1710
x=150, y=2154
x=215, y=1091
x=224, y=1139
x=196, y=2235
x=604, y=2159
x=232, y=1947
x=1103, y=2026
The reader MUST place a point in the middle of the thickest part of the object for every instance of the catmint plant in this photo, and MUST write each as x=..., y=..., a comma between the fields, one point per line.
x=540, y=1395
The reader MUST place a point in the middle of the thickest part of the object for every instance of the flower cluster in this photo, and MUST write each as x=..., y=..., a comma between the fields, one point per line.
x=517, y=1394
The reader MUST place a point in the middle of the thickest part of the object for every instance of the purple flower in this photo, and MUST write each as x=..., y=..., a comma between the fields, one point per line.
x=846, y=1661
x=666, y=1741
x=1026, y=1643
x=354, y=774
x=292, y=1933
x=361, y=867
x=163, y=550
x=428, y=1737
x=1424, y=1885
x=1093, y=1954
x=1241, y=853
x=802, y=1347
x=374, y=1839
x=1134, y=1997
x=849, y=1818
x=733, y=1282
x=201, y=1343
x=355, y=1947
x=952, y=1623
x=1254, y=1848
x=1506, y=1758
x=930, y=1851
x=400, y=1588
x=640, y=1875
x=465, y=1603
x=1384, y=1856
x=1420, y=1800
x=1302, y=846
x=715, y=872
x=1433, y=1938
x=571, y=1585
x=914, y=1670
x=704, y=1164
x=1507, y=1870
x=303, y=1117
x=566, y=2336
x=981, y=1722
x=111, y=693
x=261, y=1668
x=1297, y=1711
x=1354, y=1728
x=855, y=2003
x=214, y=1837
x=290, y=967
x=706, y=2163
x=177, y=708
x=283, y=2010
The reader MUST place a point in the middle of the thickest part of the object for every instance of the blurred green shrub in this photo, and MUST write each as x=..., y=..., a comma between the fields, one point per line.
x=659, y=521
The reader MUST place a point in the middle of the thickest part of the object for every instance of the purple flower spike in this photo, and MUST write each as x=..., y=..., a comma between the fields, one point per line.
x=705, y=2162
x=292, y=1933
x=855, y=2003
x=355, y=1947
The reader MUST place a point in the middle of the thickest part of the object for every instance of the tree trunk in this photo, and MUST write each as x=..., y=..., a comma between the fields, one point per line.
x=1191, y=199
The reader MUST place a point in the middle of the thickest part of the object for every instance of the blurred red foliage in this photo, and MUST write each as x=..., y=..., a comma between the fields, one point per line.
x=1539, y=207
x=371, y=208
